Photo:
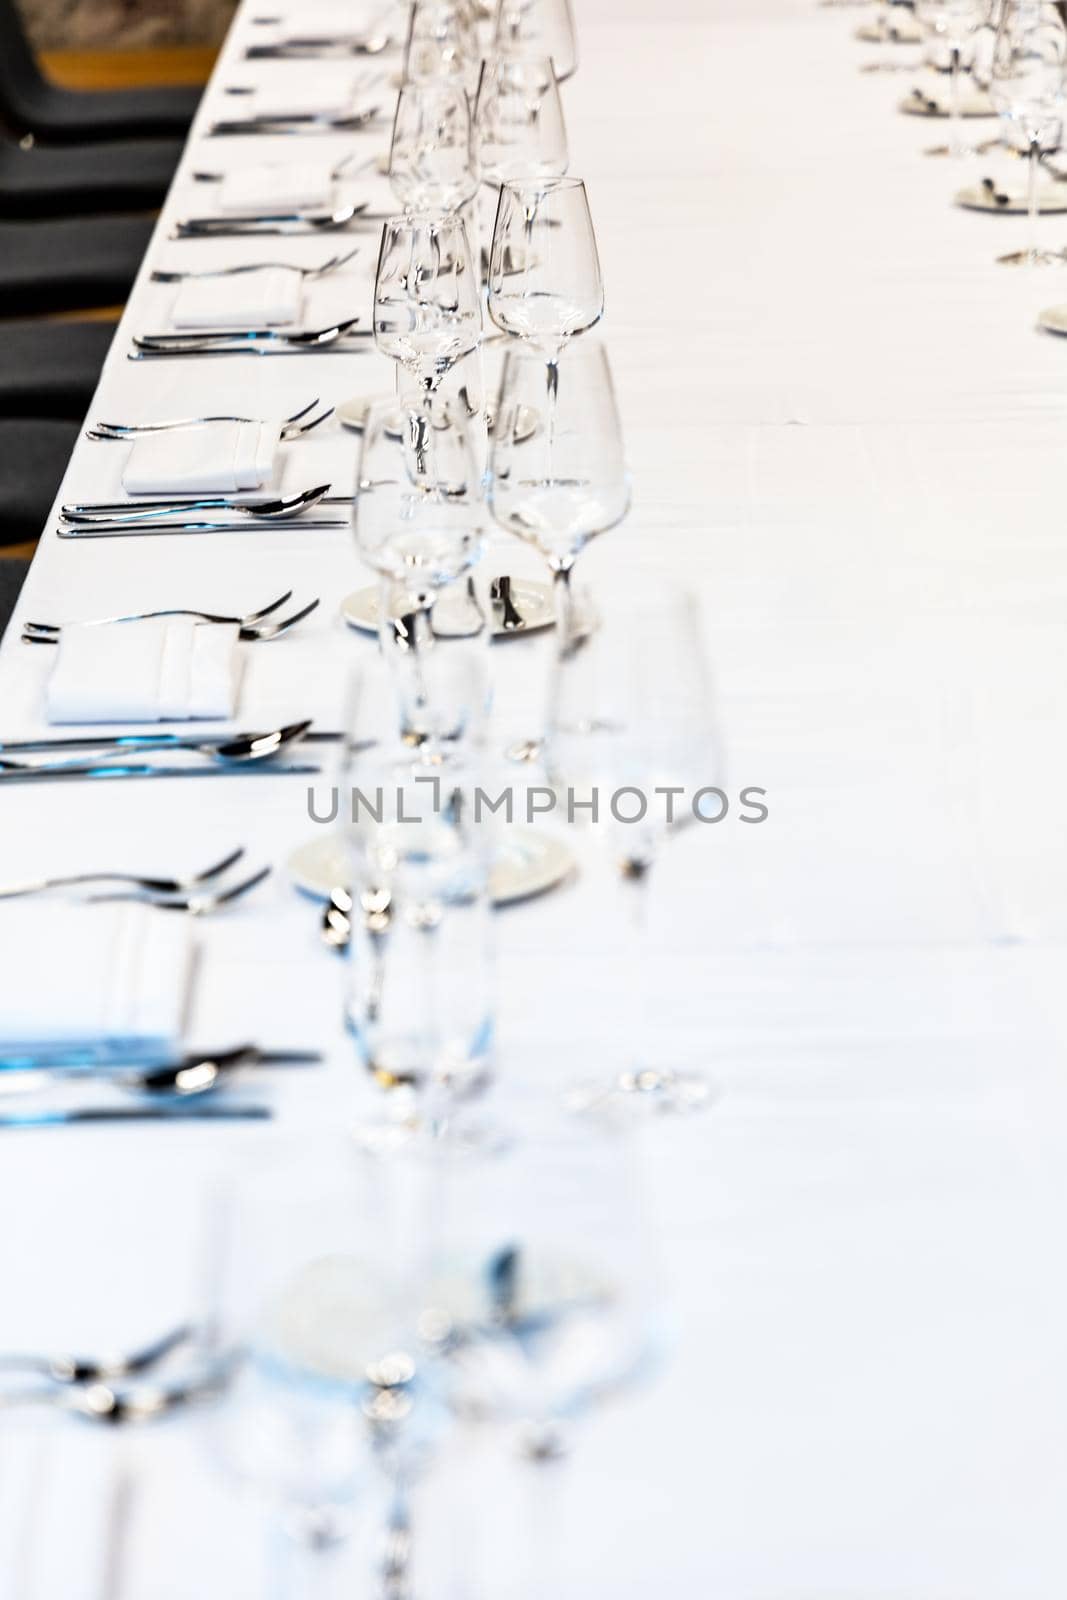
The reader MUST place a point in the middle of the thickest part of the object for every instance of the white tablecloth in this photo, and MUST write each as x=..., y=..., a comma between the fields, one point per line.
x=846, y=433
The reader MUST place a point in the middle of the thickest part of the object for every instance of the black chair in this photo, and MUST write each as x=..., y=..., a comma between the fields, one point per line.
x=69, y=265
x=33, y=458
x=44, y=181
x=29, y=103
x=12, y=576
x=51, y=369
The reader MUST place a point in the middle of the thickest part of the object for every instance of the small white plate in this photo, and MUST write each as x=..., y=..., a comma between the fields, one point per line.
x=1053, y=319
x=977, y=198
x=973, y=103
x=532, y=600
x=903, y=30
x=529, y=862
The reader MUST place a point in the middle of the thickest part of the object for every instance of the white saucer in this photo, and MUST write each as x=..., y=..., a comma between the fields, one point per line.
x=973, y=103
x=353, y=413
x=529, y=862
x=532, y=599
x=1053, y=319
x=905, y=30
x=976, y=198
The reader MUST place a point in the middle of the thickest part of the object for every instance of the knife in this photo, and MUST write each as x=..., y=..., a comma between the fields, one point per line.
x=133, y=741
x=110, y=530
x=146, y=770
x=171, y=1113
x=83, y=1062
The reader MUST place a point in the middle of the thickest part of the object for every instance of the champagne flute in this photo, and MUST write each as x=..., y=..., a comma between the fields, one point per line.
x=432, y=164
x=1026, y=87
x=539, y=28
x=427, y=299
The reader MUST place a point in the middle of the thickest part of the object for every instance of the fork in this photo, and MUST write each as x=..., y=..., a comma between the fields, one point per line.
x=256, y=633
x=248, y=620
x=336, y=172
x=331, y=265
x=197, y=905
x=190, y=884
x=128, y=429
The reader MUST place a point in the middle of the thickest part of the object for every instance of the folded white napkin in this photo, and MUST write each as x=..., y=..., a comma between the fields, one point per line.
x=221, y=458
x=107, y=978
x=321, y=96
x=298, y=186
x=269, y=299
x=163, y=670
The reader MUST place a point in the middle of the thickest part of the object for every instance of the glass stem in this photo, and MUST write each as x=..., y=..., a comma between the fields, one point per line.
x=552, y=387
x=635, y=876
x=1033, y=169
x=563, y=601
x=955, y=142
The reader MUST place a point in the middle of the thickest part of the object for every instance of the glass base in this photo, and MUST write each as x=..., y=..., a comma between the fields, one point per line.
x=647, y=1092
x=1032, y=258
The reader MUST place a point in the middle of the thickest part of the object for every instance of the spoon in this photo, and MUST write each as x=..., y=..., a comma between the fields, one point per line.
x=194, y=1076
x=136, y=511
x=252, y=341
x=242, y=748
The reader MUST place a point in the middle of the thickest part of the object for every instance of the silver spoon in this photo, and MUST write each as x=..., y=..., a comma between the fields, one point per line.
x=136, y=511
x=237, y=751
x=195, y=1076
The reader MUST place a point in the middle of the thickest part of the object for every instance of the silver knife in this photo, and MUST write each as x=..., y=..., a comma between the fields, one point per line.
x=110, y=530
x=169, y=1113
x=60, y=774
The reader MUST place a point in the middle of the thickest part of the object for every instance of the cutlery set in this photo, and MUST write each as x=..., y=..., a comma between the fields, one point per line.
x=111, y=757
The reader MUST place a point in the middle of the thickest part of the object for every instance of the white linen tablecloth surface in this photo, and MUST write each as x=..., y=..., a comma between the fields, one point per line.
x=846, y=433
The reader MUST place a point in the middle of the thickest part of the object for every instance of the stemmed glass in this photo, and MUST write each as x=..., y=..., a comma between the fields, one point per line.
x=427, y=297
x=539, y=28
x=419, y=519
x=1026, y=87
x=518, y=120
x=313, y=1294
x=545, y=283
x=545, y=1302
x=442, y=43
x=432, y=164
x=633, y=740
x=952, y=23
x=558, y=474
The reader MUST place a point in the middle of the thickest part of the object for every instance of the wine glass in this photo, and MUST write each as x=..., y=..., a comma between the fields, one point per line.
x=432, y=165
x=539, y=28
x=951, y=23
x=558, y=475
x=442, y=43
x=313, y=1291
x=519, y=129
x=545, y=1303
x=545, y=283
x=427, y=295
x=419, y=519
x=632, y=739
x=1026, y=87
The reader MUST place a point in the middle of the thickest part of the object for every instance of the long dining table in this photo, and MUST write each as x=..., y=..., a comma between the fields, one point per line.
x=846, y=433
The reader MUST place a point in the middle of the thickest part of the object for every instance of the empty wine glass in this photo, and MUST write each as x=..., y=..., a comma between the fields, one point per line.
x=539, y=28
x=546, y=1301
x=1026, y=87
x=419, y=519
x=951, y=25
x=632, y=739
x=519, y=129
x=432, y=165
x=545, y=283
x=442, y=43
x=427, y=295
x=312, y=1296
x=558, y=474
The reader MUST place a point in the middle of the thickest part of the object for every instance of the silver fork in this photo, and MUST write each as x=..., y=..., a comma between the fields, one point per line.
x=129, y=428
x=71, y=880
x=248, y=620
x=321, y=271
x=261, y=633
x=197, y=905
x=117, y=431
